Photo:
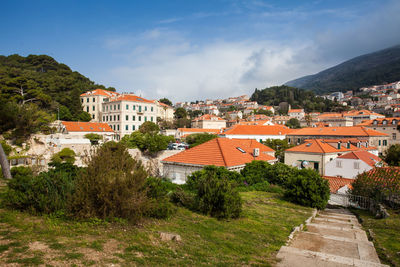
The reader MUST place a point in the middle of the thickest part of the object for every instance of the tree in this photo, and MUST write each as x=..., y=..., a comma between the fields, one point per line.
x=308, y=119
x=392, y=155
x=149, y=127
x=180, y=113
x=264, y=112
x=5, y=166
x=66, y=155
x=279, y=146
x=166, y=101
x=94, y=138
x=199, y=138
x=293, y=123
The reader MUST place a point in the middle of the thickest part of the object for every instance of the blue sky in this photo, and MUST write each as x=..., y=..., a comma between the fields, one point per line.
x=188, y=50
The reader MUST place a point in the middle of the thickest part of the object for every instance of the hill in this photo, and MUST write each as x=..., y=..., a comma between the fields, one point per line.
x=34, y=88
x=297, y=98
x=370, y=69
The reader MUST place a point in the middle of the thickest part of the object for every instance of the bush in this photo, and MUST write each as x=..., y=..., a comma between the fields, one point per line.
x=159, y=192
x=195, y=178
x=113, y=185
x=6, y=147
x=48, y=192
x=183, y=198
x=199, y=138
x=216, y=194
x=308, y=188
x=94, y=138
x=280, y=174
x=259, y=171
x=66, y=155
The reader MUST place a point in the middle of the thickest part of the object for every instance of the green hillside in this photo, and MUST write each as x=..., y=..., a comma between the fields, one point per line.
x=371, y=69
x=34, y=88
x=297, y=98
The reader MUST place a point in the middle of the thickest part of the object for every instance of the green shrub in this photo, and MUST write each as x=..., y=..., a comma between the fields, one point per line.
x=258, y=171
x=94, y=138
x=113, y=185
x=183, y=198
x=263, y=186
x=216, y=194
x=280, y=174
x=66, y=155
x=6, y=147
x=195, y=178
x=159, y=190
x=46, y=193
x=308, y=188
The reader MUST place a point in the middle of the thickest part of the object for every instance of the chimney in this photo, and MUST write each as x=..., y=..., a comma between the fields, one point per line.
x=256, y=152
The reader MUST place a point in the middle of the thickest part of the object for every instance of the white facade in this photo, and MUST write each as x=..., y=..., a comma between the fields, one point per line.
x=346, y=168
x=258, y=138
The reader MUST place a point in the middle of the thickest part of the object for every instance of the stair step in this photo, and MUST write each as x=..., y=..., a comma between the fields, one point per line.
x=312, y=258
x=339, y=238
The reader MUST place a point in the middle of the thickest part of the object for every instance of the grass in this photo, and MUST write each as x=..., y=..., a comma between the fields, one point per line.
x=386, y=235
x=254, y=239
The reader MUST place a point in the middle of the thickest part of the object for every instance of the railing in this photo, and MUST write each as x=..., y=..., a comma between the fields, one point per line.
x=353, y=201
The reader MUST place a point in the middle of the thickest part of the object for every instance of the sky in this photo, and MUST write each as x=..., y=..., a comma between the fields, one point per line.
x=193, y=50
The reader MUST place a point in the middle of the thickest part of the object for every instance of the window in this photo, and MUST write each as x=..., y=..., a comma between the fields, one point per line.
x=145, y=118
x=115, y=118
x=87, y=109
x=103, y=118
x=151, y=118
x=356, y=165
x=133, y=118
x=133, y=127
x=151, y=108
x=118, y=127
x=92, y=116
x=81, y=100
x=127, y=127
x=126, y=117
x=103, y=108
x=140, y=118
x=298, y=140
x=93, y=108
x=384, y=142
x=107, y=108
x=379, y=143
x=115, y=107
x=94, y=99
x=127, y=107
x=134, y=107
x=87, y=100
x=338, y=164
x=394, y=136
x=118, y=118
x=145, y=108
x=140, y=108
x=118, y=106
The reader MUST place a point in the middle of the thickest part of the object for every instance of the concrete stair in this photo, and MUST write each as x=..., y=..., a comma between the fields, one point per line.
x=333, y=238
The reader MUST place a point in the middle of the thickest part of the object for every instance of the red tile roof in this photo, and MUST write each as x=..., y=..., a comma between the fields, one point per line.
x=258, y=130
x=322, y=146
x=337, y=131
x=361, y=113
x=379, y=122
x=386, y=177
x=335, y=183
x=77, y=126
x=296, y=110
x=208, y=117
x=131, y=98
x=100, y=92
x=222, y=152
x=365, y=156
x=198, y=130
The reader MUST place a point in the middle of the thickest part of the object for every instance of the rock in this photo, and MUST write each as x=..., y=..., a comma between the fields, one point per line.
x=170, y=236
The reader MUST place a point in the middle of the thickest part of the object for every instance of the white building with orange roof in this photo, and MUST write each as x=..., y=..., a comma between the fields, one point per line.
x=232, y=154
x=351, y=164
x=296, y=113
x=257, y=132
x=78, y=129
x=361, y=115
x=208, y=121
x=92, y=102
x=316, y=153
x=184, y=132
x=389, y=126
x=374, y=138
x=164, y=111
x=126, y=112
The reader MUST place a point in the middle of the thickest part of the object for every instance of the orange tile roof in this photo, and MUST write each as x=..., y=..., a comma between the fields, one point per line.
x=322, y=146
x=330, y=115
x=361, y=112
x=100, y=92
x=258, y=130
x=131, y=98
x=222, y=152
x=256, y=122
x=78, y=126
x=379, y=122
x=295, y=110
x=335, y=183
x=208, y=117
x=387, y=177
x=337, y=131
x=198, y=130
x=365, y=156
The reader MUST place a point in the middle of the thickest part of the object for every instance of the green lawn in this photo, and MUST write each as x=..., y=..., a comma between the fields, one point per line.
x=253, y=239
x=386, y=235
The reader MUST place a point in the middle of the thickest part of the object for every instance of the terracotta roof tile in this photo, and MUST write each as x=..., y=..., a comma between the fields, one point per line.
x=222, y=152
x=295, y=110
x=322, y=146
x=258, y=130
x=335, y=183
x=100, y=92
x=77, y=126
x=365, y=156
x=337, y=131
x=208, y=117
x=131, y=98
x=198, y=130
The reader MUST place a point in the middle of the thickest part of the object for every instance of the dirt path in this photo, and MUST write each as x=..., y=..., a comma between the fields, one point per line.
x=333, y=238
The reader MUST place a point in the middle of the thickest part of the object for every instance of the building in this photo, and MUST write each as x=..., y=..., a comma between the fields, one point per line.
x=296, y=113
x=125, y=113
x=338, y=185
x=329, y=119
x=361, y=115
x=78, y=129
x=316, y=153
x=183, y=132
x=351, y=164
x=230, y=153
x=209, y=121
x=164, y=112
x=374, y=138
x=92, y=102
x=389, y=126
x=257, y=132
